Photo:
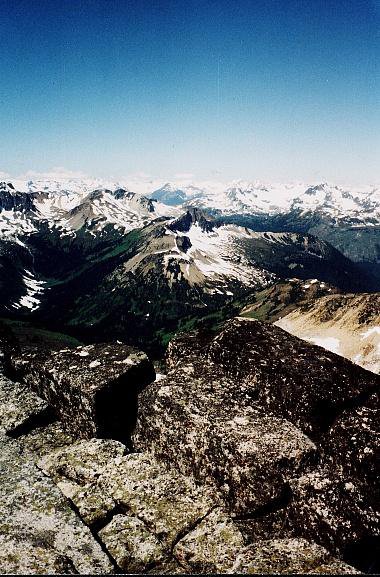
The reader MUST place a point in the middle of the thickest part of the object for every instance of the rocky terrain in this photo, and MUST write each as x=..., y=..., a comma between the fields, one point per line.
x=348, y=324
x=255, y=453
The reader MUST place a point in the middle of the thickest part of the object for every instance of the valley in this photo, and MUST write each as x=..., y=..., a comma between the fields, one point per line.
x=112, y=264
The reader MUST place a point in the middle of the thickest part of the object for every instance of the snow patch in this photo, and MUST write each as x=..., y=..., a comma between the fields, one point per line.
x=329, y=343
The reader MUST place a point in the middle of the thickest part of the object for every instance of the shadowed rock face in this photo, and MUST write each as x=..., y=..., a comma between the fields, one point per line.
x=93, y=389
x=193, y=216
x=274, y=423
x=10, y=199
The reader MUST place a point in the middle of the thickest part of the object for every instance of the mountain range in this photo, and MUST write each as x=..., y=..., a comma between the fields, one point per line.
x=107, y=261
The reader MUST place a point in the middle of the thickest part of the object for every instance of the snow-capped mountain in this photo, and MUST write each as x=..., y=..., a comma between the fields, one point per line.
x=359, y=207
x=332, y=201
x=69, y=210
x=346, y=217
x=239, y=197
x=174, y=195
x=98, y=260
x=143, y=284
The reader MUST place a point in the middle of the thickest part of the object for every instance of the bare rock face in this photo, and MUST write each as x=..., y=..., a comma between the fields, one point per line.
x=248, y=463
x=92, y=388
x=39, y=532
x=132, y=545
x=140, y=509
x=291, y=378
x=331, y=510
x=223, y=436
x=354, y=443
x=212, y=546
x=246, y=454
x=76, y=469
x=44, y=439
x=95, y=472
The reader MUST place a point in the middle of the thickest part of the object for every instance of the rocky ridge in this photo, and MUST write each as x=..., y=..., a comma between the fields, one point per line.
x=240, y=460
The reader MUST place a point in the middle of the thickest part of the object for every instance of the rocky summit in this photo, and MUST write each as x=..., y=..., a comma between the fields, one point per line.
x=256, y=452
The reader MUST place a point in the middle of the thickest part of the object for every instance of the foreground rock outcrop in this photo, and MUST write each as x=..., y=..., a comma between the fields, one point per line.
x=92, y=388
x=154, y=519
x=257, y=453
x=274, y=424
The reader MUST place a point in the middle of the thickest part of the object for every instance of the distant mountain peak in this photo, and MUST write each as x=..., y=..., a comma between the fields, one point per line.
x=11, y=199
x=6, y=186
x=192, y=216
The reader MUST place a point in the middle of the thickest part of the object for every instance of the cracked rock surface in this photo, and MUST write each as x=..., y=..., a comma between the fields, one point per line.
x=39, y=531
x=288, y=433
x=257, y=453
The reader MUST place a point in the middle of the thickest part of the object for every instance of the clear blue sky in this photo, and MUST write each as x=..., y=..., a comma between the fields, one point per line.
x=274, y=90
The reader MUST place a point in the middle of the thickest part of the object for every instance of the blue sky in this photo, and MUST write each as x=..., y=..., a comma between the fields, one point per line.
x=270, y=90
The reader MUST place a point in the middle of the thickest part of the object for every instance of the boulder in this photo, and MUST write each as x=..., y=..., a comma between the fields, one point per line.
x=247, y=455
x=133, y=546
x=100, y=479
x=285, y=431
x=223, y=434
x=44, y=439
x=353, y=444
x=93, y=388
x=277, y=368
x=212, y=546
x=76, y=469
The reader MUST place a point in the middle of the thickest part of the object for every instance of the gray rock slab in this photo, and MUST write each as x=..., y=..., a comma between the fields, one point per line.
x=284, y=556
x=20, y=407
x=39, y=531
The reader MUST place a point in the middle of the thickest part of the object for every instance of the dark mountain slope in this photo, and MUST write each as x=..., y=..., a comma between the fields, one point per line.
x=357, y=242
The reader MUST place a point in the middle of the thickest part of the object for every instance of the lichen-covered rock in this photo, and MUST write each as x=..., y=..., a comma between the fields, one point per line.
x=212, y=546
x=275, y=368
x=274, y=523
x=167, y=502
x=251, y=463
x=81, y=462
x=353, y=443
x=76, y=469
x=296, y=556
x=103, y=482
x=132, y=545
x=20, y=407
x=171, y=567
x=39, y=531
x=330, y=509
x=45, y=439
x=243, y=402
x=220, y=438
x=30, y=558
x=92, y=388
